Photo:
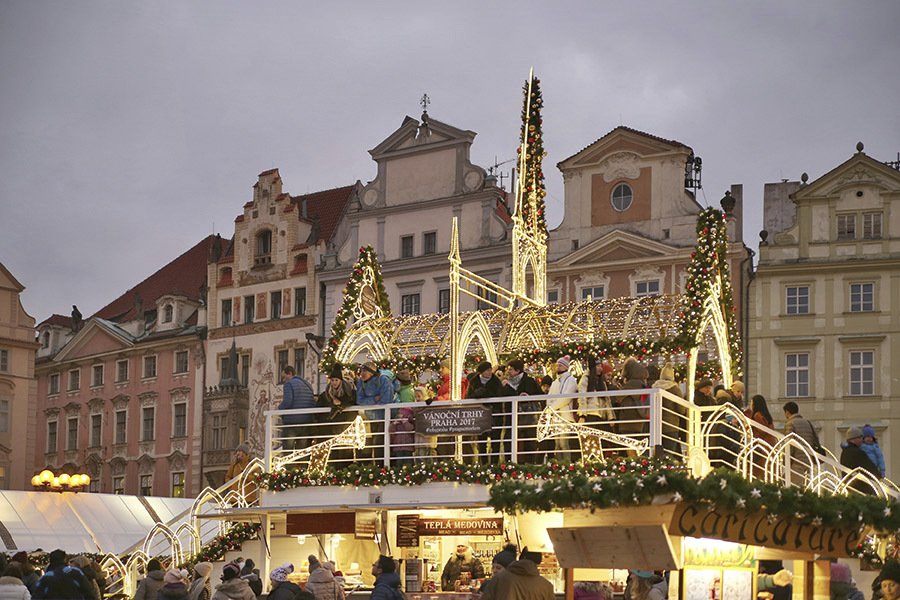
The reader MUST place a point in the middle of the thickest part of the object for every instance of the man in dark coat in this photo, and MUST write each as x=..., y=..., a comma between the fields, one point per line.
x=852, y=457
x=297, y=394
x=520, y=581
x=387, y=581
x=703, y=393
x=484, y=384
x=61, y=581
x=520, y=383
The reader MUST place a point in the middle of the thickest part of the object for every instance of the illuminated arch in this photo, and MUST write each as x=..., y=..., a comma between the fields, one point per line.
x=475, y=329
x=369, y=342
x=163, y=531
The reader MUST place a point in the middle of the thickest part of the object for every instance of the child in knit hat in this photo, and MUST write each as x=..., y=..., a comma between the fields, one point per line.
x=872, y=449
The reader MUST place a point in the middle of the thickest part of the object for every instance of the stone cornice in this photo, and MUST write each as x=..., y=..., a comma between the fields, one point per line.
x=263, y=327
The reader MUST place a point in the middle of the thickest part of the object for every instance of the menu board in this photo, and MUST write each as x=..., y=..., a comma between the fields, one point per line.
x=407, y=531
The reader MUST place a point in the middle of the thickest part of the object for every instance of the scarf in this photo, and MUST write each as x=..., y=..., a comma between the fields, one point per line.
x=515, y=381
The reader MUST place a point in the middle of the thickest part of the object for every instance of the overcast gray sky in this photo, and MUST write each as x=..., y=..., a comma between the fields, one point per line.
x=130, y=130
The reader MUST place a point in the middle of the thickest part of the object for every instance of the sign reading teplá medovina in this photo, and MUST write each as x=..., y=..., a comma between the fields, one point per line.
x=436, y=420
x=487, y=526
x=759, y=529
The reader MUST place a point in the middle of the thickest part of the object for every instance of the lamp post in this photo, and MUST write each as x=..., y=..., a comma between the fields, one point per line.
x=46, y=481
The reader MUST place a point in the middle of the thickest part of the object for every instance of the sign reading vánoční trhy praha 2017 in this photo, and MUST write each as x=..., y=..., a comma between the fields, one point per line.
x=441, y=420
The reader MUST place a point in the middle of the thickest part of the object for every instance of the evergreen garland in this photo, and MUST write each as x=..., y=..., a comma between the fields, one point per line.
x=232, y=539
x=533, y=141
x=367, y=259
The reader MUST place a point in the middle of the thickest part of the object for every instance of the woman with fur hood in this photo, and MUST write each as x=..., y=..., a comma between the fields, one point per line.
x=11, y=585
x=322, y=585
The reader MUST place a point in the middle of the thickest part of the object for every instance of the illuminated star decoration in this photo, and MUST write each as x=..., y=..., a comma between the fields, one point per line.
x=552, y=424
x=352, y=437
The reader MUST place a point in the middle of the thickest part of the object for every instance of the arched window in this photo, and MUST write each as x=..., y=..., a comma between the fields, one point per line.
x=45, y=340
x=263, y=247
x=168, y=313
x=622, y=197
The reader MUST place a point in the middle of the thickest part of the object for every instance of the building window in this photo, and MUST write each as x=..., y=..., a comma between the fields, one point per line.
x=72, y=433
x=225, y=321
x=94, y=485
x=646, y=288
x=263, y=248
x=552, y=296
x=148, y=421
x=218, y=430
x=181, y=361
x=489, y=302
x=149, y=367
x=245, y=370
x=178, y=485
x=4, y=415
x=45, y=340
x=168, y=313
x=622, y=197
x=797, y=300
x=54, y=383
x=74, y=380
x=596, y=292
x=429, y=242
x=118, y=484
x=406, y=246
x=299, y=301
x=846, y=227
x=97, y=375
x=4, y=360
x=121, y=371
x=179, y=419
x=300, y=362
x=282, y=360
x=796, y=375
x=276, y=305
x=862, y=373
x=249, y=309
x=52, y=427
x=444, y=301
x=862, y=297
x=96, y=430
x=121, y=427
x=871, y=226
x=409, y=304
x=146, y=485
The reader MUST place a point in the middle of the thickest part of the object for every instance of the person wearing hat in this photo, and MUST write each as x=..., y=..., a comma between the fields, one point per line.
x=374, y=388
x=703, y=393
x=232, y=586
x=889, y=580
x=282, y=588
x=83, y=564
x=174, y=587
x=872, y=449
x=483, y=384
x=518, y=384
x=520, y=580
x=501, y=560
x=339, y=394
x=387, y=581
x=853, y=456
x=737, y=393
x=250, y=573
x=297, y=394
x=648, y=585
x=565, y=383
x=321, y=583
x=200, y=587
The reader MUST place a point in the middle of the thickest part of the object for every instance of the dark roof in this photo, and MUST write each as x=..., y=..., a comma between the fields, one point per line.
x=182, y=276
x=327, y=207
x=55, y=319
x=674, y=143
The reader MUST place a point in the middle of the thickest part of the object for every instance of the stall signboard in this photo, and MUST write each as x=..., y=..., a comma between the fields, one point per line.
x=486, y=526
x=407, y=531
x=761, y=529
x=365, y=525
x=470, y=419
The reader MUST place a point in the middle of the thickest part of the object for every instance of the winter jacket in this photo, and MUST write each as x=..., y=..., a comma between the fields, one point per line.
x=852, y=457
x=297, y=394
x=253, y=580
x=173, y=591
x=478, y=389
x=456, y=566
x=634, y=406
x=599, y=406
x=519, y=581
x=387, y=587
x=199, y=589
x=286, y=590
x=444, y=389
x=148, y=588
x=803, y=428
x=234, y=589
x=322, y=585
x=377, y=390
x=674, y=415
x=12, y=588
x=62, y=582
x=402, y=432
x=873, y=451
x=565, y=383
x=527, y=387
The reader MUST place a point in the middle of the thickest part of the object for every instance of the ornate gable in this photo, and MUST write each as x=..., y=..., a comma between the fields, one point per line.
x=622, y=143
x=96, y=337
x=860, y=170
x=616, y=246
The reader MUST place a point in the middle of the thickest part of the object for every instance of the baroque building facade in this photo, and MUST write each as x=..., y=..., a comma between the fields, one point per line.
x=17, y=385
x=825, y=301
x=263, y=308
x=116, y=393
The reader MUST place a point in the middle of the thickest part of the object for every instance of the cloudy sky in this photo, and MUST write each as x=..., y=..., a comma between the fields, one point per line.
x=130, y=130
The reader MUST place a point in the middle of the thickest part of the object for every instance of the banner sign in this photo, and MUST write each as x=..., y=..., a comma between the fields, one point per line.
x=488, y=526
x=407, y=531
x=758, y=529
x=453, y=420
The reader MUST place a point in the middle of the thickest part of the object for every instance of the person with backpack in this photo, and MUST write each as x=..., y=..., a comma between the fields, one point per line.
x=387, y=581
x=61, y=581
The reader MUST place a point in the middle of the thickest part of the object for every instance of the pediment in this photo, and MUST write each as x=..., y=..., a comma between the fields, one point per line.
x=625, y=141
x=8, y=282
x=409, y=137
x=617, y=246
x=96, y=337
x=858, y=170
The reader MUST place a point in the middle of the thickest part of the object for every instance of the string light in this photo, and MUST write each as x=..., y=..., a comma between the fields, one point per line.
x=552, y=424
x=353, y=436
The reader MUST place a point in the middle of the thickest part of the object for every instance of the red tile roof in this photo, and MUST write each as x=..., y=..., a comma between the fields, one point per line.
x=182, y=276
x=55, y=319
x=327, y=206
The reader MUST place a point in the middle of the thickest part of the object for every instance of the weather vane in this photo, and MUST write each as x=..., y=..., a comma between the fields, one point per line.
x=425, y=101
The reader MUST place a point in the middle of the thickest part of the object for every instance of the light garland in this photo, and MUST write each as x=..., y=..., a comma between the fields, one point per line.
x=552, y=424
x=232, y=539
x=353, y=436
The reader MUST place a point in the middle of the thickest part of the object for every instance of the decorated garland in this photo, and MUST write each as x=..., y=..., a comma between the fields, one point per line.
x=219, y=545
x=533, y=141
x=368, y=259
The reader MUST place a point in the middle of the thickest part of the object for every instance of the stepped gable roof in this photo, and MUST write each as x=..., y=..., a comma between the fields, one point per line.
x=59, y=320
x=327, y=207
x=673, y=143
x=183, y=276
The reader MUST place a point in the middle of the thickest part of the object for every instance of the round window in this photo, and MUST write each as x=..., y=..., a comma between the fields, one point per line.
x=622, y=197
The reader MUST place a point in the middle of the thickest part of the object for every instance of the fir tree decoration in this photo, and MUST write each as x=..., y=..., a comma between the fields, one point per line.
x=367, y=261
x=531, y=157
